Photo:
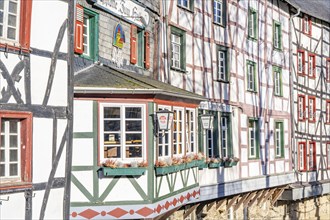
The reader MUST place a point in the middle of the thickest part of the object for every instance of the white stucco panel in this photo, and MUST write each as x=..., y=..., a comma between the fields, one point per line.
x=279, y=166
x=54, y=210
x=198, y=55
x=245, y=172
x=84, y=145
x=254, y=169
x=241, y=90
x=14, y=208
x=244, y=155
x=83, y=116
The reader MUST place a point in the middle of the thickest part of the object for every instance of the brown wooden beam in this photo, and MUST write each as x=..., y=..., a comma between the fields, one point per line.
x=232, y=201
x=190, y=210
x=255, y=198
x=220, y=203
x=249, y=198
x=271, y=191
x=241, y=201
x=209, y=206
x=276, y=196
x=262, y=196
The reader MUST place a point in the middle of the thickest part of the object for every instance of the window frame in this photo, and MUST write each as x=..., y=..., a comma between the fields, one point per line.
x=190, y=133
x=189, y=7
x=5, y=23
x=313, y=108
x=303, y=106
x=182, y=34
x=25, y=178
x=177, y=131
x=228, y=147
x=279, y=138
x=302, y=155
x=311, y=66
x=278, y=71
x=253, y=17
x=93, y=19
x=302, y=61
x=327, y=146
x=162, y=136
x=311, y=145
x=255, y=129
x=122, y=132
x=224, y=50
x=277, y=37
x=327, y=77
x=307, y=22
x=219, y=20
x=327, y=111
x=253, y=64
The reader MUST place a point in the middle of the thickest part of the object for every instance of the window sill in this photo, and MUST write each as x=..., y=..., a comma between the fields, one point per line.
x=15, y=185
x=278, y=49
x=185, y=9
x=160, y=171
x=179, y=70
x=125, y=171
x=252, y=38
x=279, y=96
x=219, y=24
x=252, y=91
x=87, y=57
x=16, y=49
x=222, y=81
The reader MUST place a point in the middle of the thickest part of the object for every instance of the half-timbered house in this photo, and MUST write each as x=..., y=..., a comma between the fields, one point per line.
x=35, y=108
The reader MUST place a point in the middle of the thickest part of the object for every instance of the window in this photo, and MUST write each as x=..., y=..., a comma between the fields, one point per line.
x=178, y=59
x=277, y=41
x=328, y=155
x=301, y=62
x=311, y=109
x=277, y=81
x=222, y=64
x=122, y=131
x=328, y=70
x=164, y=138
x=178, y=131
x=312, y=155
x=225, y=136
x=307, y=25
x=15, y=148
x=251, y=76
x=311, y=65
x=327, y=112
x=252, y=23
x=302, y=156
x=140, y=47
x=15, y=22
x=279, y=139
x=188, y=4
x=209, y=143
x=253, y=139
x=190, y=131
x=301, y=107
x=219, y=12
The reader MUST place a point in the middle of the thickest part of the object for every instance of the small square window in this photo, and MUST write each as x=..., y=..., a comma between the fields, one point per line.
x=222, y=69
x=219, y=12
x=188, y=4
x=178, y=50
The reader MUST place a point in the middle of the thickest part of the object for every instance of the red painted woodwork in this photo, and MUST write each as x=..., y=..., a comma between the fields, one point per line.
x=133, y=44
x=301, y=73
x=147, y=50
x=302, y=97
x=25, y=23
x=79, y=30
x=304, y=156
x=313, y=118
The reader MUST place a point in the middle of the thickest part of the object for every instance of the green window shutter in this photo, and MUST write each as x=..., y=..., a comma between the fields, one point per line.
x=216, y=127
x=258, y=139
x=200, y=133
x=282, y=139
x=191, y=6
x=230, y=141
x=183, y=52
x=224, y=13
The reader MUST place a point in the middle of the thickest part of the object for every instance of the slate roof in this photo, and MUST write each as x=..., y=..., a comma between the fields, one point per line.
x=106, y=80
x=316, y=8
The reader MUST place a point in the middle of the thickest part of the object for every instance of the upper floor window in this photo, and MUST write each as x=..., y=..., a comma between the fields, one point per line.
x=328, y=155
x=164, y=137
x=252, y=23
x=178, y=131
x=190, y=122
x=178, y=55
x=251, y=76
x=302, y=156
x=312, y=155
x=219, y=12
x=15, y=22
x=301, y=107
x=225, y=135
x=311, y=109
x=327, y=112
x=253, y=138
x=301, y=62
x=188, y=4
x=277, y=81
x=311, y=65
x=140, y=47
x=277, y=41
x=15, y=148
x=122, y=131
x=307, y=24
x=328, y=70
x=222, y=72
x=279, y=139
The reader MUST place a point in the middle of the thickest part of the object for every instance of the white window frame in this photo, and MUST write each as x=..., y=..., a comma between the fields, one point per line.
x=6, y=135
x=176, y=44
x=5, y=24
x=301, y=156
x=251, y=71
x=253, y=130
x=218, y=7
x=209, y=142
x=277, y=35
x=328, y=154
x=86, y=35
x=190, y=130
x=311, y=64
x=122, y=132
x=277, y=82
x=301, y=59
x=181, y=3
x=301, y=107
x=327, y=111
x=278, y=139
x=306, y=24
x=222, y=73
x=224, y=136
x=178, y=131
x=162, y=136
x=311, y=107
x=311, y=155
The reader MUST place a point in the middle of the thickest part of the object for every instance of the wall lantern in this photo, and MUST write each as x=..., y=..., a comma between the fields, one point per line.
x=207, y=121
x=164, y=120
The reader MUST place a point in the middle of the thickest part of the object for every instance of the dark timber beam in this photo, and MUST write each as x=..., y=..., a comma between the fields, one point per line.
x=256, y=197
x=220, y=203
x=243, y=198
x=189, y=211
x=246, y=203
x=276, y=196
x=232, y=201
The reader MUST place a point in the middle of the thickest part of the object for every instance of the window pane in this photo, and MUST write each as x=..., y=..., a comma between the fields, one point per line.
x=13, y=170
x=1, y=32
x=12, y=20
x=132, y=112
x=12, y=7
x=13, y=141
x=112, y=125
x=2, y=155
x=133, y=139
x=133, y=152
x=1, y=17
x=2, y=141
x=112, y=112
x=2, y=170
x=11, y=33
x=13, y=156
x=13, y=126
x=133, y=125
x=2, y=126
x=1, y=4
x=112, y=139
x=111, y=152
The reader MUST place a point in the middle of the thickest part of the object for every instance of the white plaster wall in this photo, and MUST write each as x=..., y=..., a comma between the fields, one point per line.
x=185, y=19
x=82, y=145
x=14, y=208
x=83, y=116
x=254, y=169
x=45, y=28
x=86, y=179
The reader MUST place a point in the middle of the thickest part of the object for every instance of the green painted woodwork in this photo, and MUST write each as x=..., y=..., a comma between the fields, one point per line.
x=82, y=188
x=278, y=70
x=138, y=188
x=230, y=164
x=182, y=35
x=248, y=62
x=214, y=165
x=254, y=14
x=82, y=168
x=151, y=152
x=126, y=171
x=83, y=135
x=216, y=143
x=257, y=138
x=140, y=47
x=109, y=188
x=281, y=126
x=158, y=187
x=95, y=150
x=279, y=37
x=225, y=50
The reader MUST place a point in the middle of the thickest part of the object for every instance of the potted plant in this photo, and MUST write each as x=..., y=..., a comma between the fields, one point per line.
x=112, y=167
x=214, y=162
x=231, y=161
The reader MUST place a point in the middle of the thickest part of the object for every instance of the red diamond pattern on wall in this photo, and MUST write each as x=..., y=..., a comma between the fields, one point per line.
x=167, y=204
x=159, y=208
x=145, y=211
x=194, y=193
x=188, y=196
x=181, y=199
x=89, y=214
x=118, y=212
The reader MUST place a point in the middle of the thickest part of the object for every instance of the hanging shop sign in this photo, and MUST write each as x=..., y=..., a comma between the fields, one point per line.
x=119, y=37
x=222, y=107
x=125, y=9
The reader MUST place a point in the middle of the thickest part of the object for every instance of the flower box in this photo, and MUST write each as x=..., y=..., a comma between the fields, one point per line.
x=230, y=163
x=214, y=165
x=191, y=164
x=202, y=165
x=123, y=171
x=165, y=170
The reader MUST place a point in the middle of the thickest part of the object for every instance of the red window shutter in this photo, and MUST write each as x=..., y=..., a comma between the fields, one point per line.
x=25, y=24
x=79, y=30
x=133, y=44
x=147, y=50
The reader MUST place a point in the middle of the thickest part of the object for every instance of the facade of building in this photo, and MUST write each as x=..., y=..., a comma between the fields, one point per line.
x=35, y=109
